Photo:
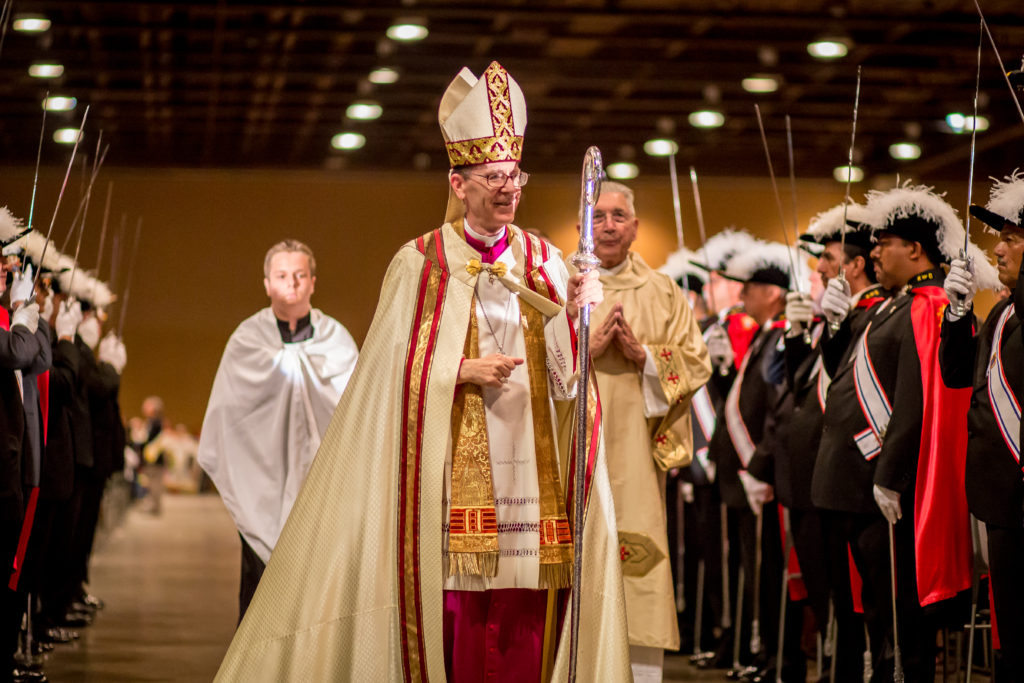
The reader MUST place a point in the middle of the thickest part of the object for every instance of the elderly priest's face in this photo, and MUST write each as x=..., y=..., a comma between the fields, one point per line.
x=490, y=204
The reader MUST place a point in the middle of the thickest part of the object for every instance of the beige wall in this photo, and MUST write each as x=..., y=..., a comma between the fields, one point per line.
x=199, y=269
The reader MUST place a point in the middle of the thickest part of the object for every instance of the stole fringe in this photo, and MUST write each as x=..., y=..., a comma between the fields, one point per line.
x=472, y=564
x=555, y=575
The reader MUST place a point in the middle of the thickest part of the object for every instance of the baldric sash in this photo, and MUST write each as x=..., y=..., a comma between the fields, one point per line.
x=872, y=399
x=1004, y=403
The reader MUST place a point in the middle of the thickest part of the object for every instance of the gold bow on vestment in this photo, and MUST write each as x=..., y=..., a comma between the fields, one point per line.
x=475, y=267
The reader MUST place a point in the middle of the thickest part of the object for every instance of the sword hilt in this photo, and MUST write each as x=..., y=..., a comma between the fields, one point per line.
x=959, y=304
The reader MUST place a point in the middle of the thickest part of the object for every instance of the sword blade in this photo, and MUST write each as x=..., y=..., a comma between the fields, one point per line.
x=128, y=279
x=778, y=199
x=849, y=177
x=974, y=139
x=675, y=201
x=1002, y=67
x=703, y=235
x=60, y=197
x=103, y=237
x=39, y=158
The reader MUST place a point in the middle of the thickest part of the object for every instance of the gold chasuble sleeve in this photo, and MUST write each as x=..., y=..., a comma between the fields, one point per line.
x=354, y=588
x=640, y=449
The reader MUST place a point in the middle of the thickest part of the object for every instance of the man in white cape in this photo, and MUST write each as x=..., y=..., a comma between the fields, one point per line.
x=279, y=381
x=431, y=541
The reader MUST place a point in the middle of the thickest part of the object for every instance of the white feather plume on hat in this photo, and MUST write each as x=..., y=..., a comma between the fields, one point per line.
x=1006, y=198
x=9, y=225
x=770, y=255
x=723, y=246
x=680, y=263
x=906, y=201
x=829, y=223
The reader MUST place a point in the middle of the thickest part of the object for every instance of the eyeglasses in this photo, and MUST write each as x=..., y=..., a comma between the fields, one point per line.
x=497, y=180
x=617, y=217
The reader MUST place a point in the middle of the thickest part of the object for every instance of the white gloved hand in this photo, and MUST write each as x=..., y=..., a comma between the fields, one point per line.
x=89, y=331
x=720, y=347
x=47, y=311
x=67, y=321
x=27, y=315
x=835, y=302
x=799, y=313
x=888, y=502
x=112, y=351
x=21, y=288
x=758, y=492
x=960, y=286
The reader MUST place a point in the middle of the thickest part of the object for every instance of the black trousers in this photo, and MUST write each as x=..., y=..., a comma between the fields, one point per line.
x=868, y=536
x=822, y=535
x=57, y=588
x=252, y=571
x=12, y=604
x=769, y=594
x=93, y=483
x=1006, y=567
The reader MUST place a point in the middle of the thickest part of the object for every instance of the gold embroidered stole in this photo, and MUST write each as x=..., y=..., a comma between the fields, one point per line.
x=472, y=523
x=473, y=528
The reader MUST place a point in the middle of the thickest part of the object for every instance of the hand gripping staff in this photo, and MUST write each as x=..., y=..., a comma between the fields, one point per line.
x=584, y=261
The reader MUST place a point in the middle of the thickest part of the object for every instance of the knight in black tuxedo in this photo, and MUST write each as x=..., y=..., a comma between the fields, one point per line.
x=890, y=432
x=991, y=363
x=823, y=561
x=740, y=435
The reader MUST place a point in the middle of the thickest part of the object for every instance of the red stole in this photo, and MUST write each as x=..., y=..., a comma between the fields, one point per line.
x=942, y=537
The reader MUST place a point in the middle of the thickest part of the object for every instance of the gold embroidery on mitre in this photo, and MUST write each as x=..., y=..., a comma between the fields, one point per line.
x=503, y=144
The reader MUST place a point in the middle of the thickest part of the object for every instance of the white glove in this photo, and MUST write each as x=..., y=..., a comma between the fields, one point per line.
x=27, y=315
x=720, y=347
x=112, y=351
x=799, y=313
x=960, y=286
x=758, y=492
x=835, y=302
x=89, y=331
x=888, y=502
x=21, y=288
x=67, y=321
x=47, y=311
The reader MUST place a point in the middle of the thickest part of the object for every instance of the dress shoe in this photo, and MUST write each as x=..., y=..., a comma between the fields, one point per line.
x=741, y=673
x=698, y=657
x=766, y=675
x=84, y=608
x=92, y=601
x=58, y=634
x=28, y=676
x=76, y=619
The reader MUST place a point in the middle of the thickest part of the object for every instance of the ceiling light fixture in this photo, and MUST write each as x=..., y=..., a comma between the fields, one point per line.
x=59, y=103
x=958, y=123
x=30, y=23
x=622, y=170
x=407, y=31
x=707, y=118
x=383, y=76
x=45, y=70
x=905, y=151
x=761, y=83
x=855, y=174
x=364, y=111
x=66, y=136
x=661, y=147
x=828, y=48
x=348, y=141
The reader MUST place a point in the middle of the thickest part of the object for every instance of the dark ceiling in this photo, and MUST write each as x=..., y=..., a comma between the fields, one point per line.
x=266, y=84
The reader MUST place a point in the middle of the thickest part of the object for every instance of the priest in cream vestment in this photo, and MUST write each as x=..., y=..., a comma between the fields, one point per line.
x=650, y=360
x=431, y=540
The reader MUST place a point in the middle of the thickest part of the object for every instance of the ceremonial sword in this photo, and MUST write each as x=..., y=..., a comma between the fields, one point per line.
x=128, y=280
x=1002, y=68
x=834, y=326
x=722, y=370
x=584, y=261
x=677, y=210
x=795, y=282
x=60, y=196
x=97, y=160
x=959, y=305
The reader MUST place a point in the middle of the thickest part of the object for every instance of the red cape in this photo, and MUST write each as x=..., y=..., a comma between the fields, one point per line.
x=942, y=536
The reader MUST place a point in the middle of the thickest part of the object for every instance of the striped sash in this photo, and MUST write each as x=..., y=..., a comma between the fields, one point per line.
x=734, y=423
x=873, y=401
x=1004, y=403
